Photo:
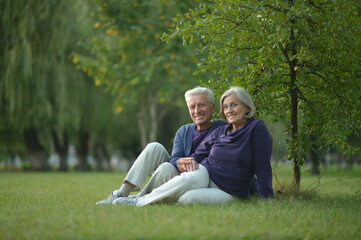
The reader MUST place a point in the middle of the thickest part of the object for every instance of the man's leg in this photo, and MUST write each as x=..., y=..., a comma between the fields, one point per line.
x=174, y=188
x=153, y=155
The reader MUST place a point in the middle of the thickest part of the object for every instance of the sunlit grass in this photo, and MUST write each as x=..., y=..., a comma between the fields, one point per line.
x=61, y=206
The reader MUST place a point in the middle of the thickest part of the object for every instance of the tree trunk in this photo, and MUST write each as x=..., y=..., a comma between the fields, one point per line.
x=36, y=150
x=294, y=111
x=97, y=157
x=102, y=158
x=294, y=141
x=61, y=149
x=142, y=127
x=351, y=159
x=153, y=119
x=83, y=151
x=105, y=156
x=314, y=158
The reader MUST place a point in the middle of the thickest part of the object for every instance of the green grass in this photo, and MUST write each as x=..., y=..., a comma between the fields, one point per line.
x=61, y=206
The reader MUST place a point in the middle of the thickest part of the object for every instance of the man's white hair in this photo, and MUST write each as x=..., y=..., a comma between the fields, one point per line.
x=200, y=90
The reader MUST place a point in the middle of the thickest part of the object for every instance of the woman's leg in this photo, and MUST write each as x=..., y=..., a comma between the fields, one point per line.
x=174, y=188
x=162, y=174
x=209, y=195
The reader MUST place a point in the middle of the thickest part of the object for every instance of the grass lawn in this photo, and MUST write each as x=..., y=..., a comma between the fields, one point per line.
x=55, y=205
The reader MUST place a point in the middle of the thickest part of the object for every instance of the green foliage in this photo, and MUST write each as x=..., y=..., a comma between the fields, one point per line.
x=11, y=143
x=127, y=58
x=36, y=75
x=39, y=85
x=62, y=206
x=282, y=51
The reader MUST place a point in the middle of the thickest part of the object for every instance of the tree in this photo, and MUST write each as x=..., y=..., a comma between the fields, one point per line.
x=42, y=95
x=128, y=59
x=302, y=57
x=23, y=76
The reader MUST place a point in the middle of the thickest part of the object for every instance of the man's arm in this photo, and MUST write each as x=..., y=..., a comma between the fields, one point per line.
x=179, y=158
x=178, y=147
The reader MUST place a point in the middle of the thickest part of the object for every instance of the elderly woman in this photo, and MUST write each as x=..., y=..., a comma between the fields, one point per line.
x=226, y=161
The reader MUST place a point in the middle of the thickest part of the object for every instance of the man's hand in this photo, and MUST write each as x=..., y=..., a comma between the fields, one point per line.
x=187, y=164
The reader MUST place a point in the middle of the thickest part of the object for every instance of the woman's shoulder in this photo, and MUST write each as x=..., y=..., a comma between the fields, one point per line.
x=258, y=127
x=255, y=123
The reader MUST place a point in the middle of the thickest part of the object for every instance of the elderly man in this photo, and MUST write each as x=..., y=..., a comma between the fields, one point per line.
x=200, y=102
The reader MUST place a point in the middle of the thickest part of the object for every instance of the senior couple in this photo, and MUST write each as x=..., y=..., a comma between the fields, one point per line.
x=211, y=162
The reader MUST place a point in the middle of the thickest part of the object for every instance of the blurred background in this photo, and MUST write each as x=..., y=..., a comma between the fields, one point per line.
x=85, y=85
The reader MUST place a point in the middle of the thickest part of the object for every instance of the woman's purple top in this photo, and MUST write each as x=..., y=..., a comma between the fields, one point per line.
x=232, y=159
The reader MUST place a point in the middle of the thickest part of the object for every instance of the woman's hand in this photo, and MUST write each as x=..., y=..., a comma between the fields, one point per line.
x=187, y=164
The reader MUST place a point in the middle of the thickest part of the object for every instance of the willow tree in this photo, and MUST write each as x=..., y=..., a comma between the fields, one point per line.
x=40, y=89
x=298, y=57
x=127, y=58
x=22, y=75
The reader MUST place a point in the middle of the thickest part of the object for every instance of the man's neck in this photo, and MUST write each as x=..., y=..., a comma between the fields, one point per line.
x=205, y=126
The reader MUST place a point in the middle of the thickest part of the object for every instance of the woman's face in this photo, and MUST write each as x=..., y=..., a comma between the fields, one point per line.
x=235, y=111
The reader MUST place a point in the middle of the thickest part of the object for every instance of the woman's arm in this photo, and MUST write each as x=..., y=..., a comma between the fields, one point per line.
x=262, y=151
x=205, y=147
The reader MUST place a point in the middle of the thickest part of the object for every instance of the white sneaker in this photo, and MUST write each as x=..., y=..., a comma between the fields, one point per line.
x=125, y=201
x=108, y=200
x=117, y=193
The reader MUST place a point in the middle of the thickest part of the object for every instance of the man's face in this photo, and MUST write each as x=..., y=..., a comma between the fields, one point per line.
x=200, y=110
